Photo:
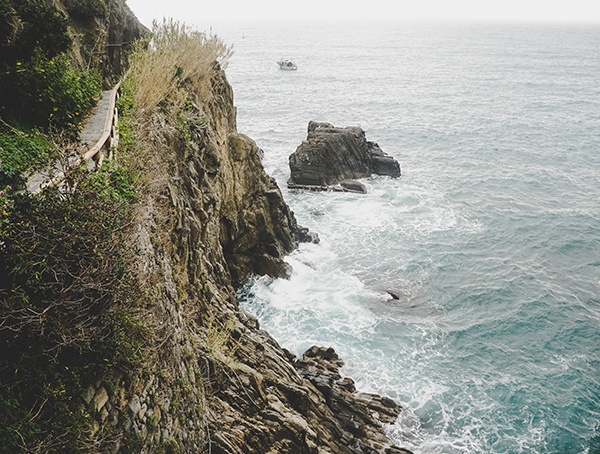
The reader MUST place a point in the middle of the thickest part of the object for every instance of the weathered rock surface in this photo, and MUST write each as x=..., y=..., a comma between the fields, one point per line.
x=124, y=29
x=214, y=381
x=281, y=404
x=210, y=379
x=115, y=30
x=331, y=155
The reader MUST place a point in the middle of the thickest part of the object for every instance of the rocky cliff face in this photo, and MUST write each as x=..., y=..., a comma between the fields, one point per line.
x=212, y=380
x=209, y=379
x=104, y=33
x=123, y=30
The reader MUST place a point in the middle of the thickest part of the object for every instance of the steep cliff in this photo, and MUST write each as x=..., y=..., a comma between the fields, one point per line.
x=214, y=381
x=119, y=321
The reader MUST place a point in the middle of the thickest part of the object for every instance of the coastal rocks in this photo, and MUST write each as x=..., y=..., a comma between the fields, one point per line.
x=211, y=379
x=278, y=403
x=331, y=158
x=353, y=186
x=360, y=415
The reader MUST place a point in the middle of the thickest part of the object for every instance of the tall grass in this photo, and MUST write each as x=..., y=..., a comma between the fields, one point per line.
x=178, y=60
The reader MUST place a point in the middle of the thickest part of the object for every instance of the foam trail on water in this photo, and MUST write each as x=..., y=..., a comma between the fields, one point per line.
x=489, y=239
x=317, y=304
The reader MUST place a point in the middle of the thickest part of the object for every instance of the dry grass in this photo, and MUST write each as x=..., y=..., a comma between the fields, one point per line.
x=177, y=60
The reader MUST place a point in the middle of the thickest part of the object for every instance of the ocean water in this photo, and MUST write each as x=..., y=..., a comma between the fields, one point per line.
x=491, y=237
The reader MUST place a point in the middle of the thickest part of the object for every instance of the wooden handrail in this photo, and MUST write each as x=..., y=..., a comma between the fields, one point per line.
x=108, y=126
x=109, y=136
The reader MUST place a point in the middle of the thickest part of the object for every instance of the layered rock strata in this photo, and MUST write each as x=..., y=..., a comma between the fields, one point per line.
x=331, y=158
x=212, y=380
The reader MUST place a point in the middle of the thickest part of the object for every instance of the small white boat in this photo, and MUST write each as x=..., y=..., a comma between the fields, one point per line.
x=287, y=65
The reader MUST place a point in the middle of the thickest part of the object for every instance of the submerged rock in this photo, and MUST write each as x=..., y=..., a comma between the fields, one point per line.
x=354, y=186
x=331, y=156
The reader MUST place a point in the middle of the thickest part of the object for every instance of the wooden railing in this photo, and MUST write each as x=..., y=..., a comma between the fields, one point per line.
x=104, y=146
x=109, y=139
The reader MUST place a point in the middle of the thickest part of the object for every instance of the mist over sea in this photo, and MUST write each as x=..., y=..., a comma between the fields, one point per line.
x=491, y=237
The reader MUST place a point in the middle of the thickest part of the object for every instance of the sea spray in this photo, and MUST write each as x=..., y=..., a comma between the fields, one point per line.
x=489, y=240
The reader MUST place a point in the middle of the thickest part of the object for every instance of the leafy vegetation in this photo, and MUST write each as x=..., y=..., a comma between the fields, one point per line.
x=19, y=152
x=65, y=301
x=37, y=84
x=39, y=87
x=7, y=204
x=50, y=92
x=67, y=306
x=126, y=107
x=86, y=9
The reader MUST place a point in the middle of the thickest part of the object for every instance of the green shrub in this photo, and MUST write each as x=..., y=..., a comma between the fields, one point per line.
x=38, y=85
x=15, y=424
x=50, y=92
x=115, y=182
x=126, y=108
x=86, y=9
x=7, y=204
x=66, y=318
x=20, y=152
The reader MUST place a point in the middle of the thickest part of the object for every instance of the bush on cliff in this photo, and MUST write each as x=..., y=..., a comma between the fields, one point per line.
x=50, y=92
x=38, y=85
x=66, y=307
x=18, y=152
x=180, y=61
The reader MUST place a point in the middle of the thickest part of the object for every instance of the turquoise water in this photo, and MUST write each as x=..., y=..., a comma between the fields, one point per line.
x=491, y=237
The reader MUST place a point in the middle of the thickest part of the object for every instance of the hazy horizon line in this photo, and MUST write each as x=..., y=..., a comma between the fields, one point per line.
x=366, y=21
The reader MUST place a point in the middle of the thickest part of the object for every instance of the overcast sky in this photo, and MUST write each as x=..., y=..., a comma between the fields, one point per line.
x=200, y=11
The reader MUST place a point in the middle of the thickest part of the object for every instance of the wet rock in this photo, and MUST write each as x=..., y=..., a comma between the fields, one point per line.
x=354, y=186
x=306, y=236
x=360, y=415
x=331, y=155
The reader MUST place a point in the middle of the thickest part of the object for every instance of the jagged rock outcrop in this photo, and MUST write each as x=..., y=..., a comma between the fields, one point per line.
x=215, y=382
x=287, y=405
x=124, y=29
x=360, y=414
x=222, y=194
x=331, y=156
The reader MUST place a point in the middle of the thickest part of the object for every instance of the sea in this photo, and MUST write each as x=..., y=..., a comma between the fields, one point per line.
x=490, y=239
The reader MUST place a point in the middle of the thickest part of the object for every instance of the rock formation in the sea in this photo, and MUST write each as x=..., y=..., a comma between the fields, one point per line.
x=332, y=158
